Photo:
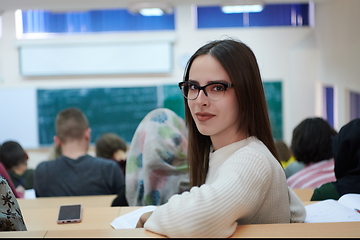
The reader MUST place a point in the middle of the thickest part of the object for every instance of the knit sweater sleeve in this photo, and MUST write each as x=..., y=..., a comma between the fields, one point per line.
x=237, y=192
x=297, y=208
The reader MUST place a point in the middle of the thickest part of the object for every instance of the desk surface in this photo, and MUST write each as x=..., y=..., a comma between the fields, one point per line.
x=293, y=230
x=40, y=218
x=55, y=202
x=304, y=193
x=92, y=218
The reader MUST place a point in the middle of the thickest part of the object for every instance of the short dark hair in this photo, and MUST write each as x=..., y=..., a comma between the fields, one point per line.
x=312, y=140
x=71, y=123
x=12, y=154
x=108, y=143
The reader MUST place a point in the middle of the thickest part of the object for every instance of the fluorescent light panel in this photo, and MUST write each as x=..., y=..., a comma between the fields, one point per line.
x=151, y=12
x=150, y=8
x=242, y=8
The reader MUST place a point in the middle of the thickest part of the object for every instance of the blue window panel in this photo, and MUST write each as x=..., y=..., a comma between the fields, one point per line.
x=213, y=17
x=40, y=21
x=281, y=15
x=329, y=105
x=272, y=15
x=354, y=105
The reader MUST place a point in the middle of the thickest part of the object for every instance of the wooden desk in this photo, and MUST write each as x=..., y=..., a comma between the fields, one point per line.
x=23, y=234
x=93, y=218
x=299, y=230
x=41, y=223
x=113, y=233
x=55, y=202
x=294, y=230
x=304, y=193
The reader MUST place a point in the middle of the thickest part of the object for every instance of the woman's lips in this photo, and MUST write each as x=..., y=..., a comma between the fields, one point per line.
x=204, y=116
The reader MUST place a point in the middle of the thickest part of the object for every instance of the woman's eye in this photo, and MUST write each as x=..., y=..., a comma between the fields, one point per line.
x=192, y=87
x=218, y=88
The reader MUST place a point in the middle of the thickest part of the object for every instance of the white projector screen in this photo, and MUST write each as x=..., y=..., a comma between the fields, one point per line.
x=100, y=58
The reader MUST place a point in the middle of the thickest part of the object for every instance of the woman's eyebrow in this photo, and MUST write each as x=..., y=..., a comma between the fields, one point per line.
x=209, y=82
x=193, y=81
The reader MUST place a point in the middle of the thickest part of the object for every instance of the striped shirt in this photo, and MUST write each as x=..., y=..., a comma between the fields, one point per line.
x=313, y=175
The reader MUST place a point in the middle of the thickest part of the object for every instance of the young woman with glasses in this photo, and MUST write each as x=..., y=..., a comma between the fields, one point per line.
x=234, y=172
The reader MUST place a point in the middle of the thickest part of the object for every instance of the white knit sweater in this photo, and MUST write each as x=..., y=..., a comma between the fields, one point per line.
x=245, y=185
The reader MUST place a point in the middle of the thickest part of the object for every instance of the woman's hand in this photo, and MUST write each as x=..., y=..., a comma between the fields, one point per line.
x=143, y=219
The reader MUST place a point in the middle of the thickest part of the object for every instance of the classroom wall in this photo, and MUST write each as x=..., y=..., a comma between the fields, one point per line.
x=302, y=58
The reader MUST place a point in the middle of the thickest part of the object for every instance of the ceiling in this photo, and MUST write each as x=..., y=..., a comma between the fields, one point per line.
x=104, y=4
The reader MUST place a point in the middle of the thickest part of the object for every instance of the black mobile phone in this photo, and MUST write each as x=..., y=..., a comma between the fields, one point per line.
x=70, y=213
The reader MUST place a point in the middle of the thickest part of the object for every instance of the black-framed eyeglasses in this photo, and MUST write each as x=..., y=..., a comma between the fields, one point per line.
x=214, y=91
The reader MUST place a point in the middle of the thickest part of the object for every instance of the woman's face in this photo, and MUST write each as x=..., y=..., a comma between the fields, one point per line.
x=217, y=119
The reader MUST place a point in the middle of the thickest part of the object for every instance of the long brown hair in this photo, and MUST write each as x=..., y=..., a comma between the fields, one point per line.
x=241, y=65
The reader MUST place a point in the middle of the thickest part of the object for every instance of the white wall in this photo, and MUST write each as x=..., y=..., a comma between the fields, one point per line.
x=303, y=58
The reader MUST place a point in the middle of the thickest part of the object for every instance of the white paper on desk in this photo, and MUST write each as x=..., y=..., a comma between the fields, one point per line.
x=29, y=194
x=130, y=219
x=334, y=211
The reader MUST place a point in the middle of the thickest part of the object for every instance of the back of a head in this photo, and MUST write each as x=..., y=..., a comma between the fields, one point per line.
x=312, y=140
x=71, y=123
x=12, y=154
x=346, y=149
x=164, y=128
x=157, y=159
x=282, y=150
x=109, y=143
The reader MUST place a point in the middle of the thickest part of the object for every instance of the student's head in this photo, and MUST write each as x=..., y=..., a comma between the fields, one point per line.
x=240, y=107
x=111, y=146
x=71, y=124
x=157, y=165
x=12, y=154
x=283, y=150
x=312, y=140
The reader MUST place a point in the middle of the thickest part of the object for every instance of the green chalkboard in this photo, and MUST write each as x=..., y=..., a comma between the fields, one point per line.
x=117, y=110
x=120, y=110
x=273, y=94
x=173, y=99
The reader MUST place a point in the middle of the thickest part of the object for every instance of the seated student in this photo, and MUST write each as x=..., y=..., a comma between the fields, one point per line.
x=11, y=218
x=15, y=160
x=75, y=172
x=312, y=145
x=235, y=175
x=112, y=146
x=157, y=166
x=18, y=192
x=346, y=151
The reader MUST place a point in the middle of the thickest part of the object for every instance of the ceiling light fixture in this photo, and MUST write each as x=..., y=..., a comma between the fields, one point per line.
x=242, y=6
x=150, y=8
